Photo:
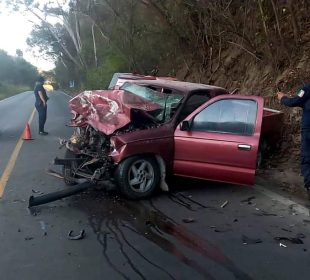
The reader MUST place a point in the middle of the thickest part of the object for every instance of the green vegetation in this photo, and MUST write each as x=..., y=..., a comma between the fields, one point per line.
x=16, y=74
x=10, y=90
x=217, y=42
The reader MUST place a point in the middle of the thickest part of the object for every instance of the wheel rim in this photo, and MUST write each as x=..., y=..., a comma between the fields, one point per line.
x=141, y=176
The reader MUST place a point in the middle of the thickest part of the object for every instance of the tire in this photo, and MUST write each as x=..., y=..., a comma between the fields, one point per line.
x=137, y=177
x=259, y=158
x=67, y=169
x=261, y=153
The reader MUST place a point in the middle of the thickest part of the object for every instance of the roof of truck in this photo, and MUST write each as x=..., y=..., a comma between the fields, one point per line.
x=178, y=85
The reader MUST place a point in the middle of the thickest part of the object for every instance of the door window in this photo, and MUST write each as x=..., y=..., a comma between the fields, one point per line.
x=236, y=116
x=192, y=103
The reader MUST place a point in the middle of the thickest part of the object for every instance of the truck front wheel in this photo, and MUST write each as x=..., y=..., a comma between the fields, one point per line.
x=67, y=169
x=137, y=177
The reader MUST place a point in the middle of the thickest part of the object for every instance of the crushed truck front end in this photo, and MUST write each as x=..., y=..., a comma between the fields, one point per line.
x=121, y=134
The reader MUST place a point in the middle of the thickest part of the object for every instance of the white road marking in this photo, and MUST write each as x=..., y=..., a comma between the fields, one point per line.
x=11, y=163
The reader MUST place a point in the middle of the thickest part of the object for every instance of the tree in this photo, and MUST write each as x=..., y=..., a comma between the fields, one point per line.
x=19, y=53
x=16, y=70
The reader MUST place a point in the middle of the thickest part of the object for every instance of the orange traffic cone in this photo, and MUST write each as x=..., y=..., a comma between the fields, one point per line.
x=27, y=133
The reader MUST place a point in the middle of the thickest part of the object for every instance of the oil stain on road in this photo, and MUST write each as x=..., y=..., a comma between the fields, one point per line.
x=116, y=222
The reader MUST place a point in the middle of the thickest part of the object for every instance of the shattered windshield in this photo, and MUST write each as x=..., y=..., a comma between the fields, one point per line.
x=167, y=102
x=114, y=80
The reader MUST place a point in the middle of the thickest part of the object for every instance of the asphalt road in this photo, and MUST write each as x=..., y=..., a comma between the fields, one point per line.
x=183, y=234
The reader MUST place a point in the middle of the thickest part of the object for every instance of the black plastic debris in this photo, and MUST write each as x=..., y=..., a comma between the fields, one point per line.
x=285, y=229
x=294, y=240
x=43, y=199
x=79, y=236
x=247, y=240
x=188, y=220
x=263, y=213
x=28, y=238
x=222, y=229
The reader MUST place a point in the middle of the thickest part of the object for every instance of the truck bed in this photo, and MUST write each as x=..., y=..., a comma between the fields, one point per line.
x=272, y=126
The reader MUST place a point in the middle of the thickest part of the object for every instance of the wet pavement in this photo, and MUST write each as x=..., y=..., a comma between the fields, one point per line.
x=199, y=230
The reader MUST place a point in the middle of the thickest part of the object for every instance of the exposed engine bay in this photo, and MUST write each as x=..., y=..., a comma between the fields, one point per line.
x=88, y=151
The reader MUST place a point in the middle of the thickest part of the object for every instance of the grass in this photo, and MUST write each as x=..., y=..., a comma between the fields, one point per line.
x=10, y=90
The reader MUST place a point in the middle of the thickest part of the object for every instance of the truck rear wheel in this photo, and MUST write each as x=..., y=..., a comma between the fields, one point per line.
x=262, y=153
x=137, y=177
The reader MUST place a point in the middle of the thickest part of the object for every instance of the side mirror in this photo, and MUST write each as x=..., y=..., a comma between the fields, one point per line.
x=185, y=126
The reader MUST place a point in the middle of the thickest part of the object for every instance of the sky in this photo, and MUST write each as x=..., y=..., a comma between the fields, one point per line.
x=14, y=30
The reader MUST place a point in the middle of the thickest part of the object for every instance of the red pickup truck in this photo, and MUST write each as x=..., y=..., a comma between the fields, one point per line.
x=136, y=134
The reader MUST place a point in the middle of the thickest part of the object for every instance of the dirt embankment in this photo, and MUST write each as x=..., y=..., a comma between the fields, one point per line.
x=253, y=76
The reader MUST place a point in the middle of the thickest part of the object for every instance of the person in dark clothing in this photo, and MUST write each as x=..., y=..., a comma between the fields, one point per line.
x=41, y=104
x=302, y=100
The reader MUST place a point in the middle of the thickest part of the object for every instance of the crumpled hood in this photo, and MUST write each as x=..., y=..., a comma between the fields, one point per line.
x=106, y=110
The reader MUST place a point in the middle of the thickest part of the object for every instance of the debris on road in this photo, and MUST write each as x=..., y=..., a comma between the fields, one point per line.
x=292, y=210
x=43, y=199
x=29, y=238
x=247, y=240
x=79, y=236
x=283, y=245
x=54, y=173
x=300, y=235
x=222, y=229
x=43, y=227
x=188, y=220
x=38, y=192
x=294, y=240
x=33, y=212
x=285, y=229
x=248, y=200
x=264, y=213
x=35, y=191
x=224, y=204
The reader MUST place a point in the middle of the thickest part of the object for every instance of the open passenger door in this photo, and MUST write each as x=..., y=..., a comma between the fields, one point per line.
x=219, y=140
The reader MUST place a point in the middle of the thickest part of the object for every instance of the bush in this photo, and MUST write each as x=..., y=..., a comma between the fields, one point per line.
x=10, y=90
x=100, y=77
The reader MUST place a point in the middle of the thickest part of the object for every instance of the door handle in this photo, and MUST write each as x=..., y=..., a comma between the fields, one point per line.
x=244, y=147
